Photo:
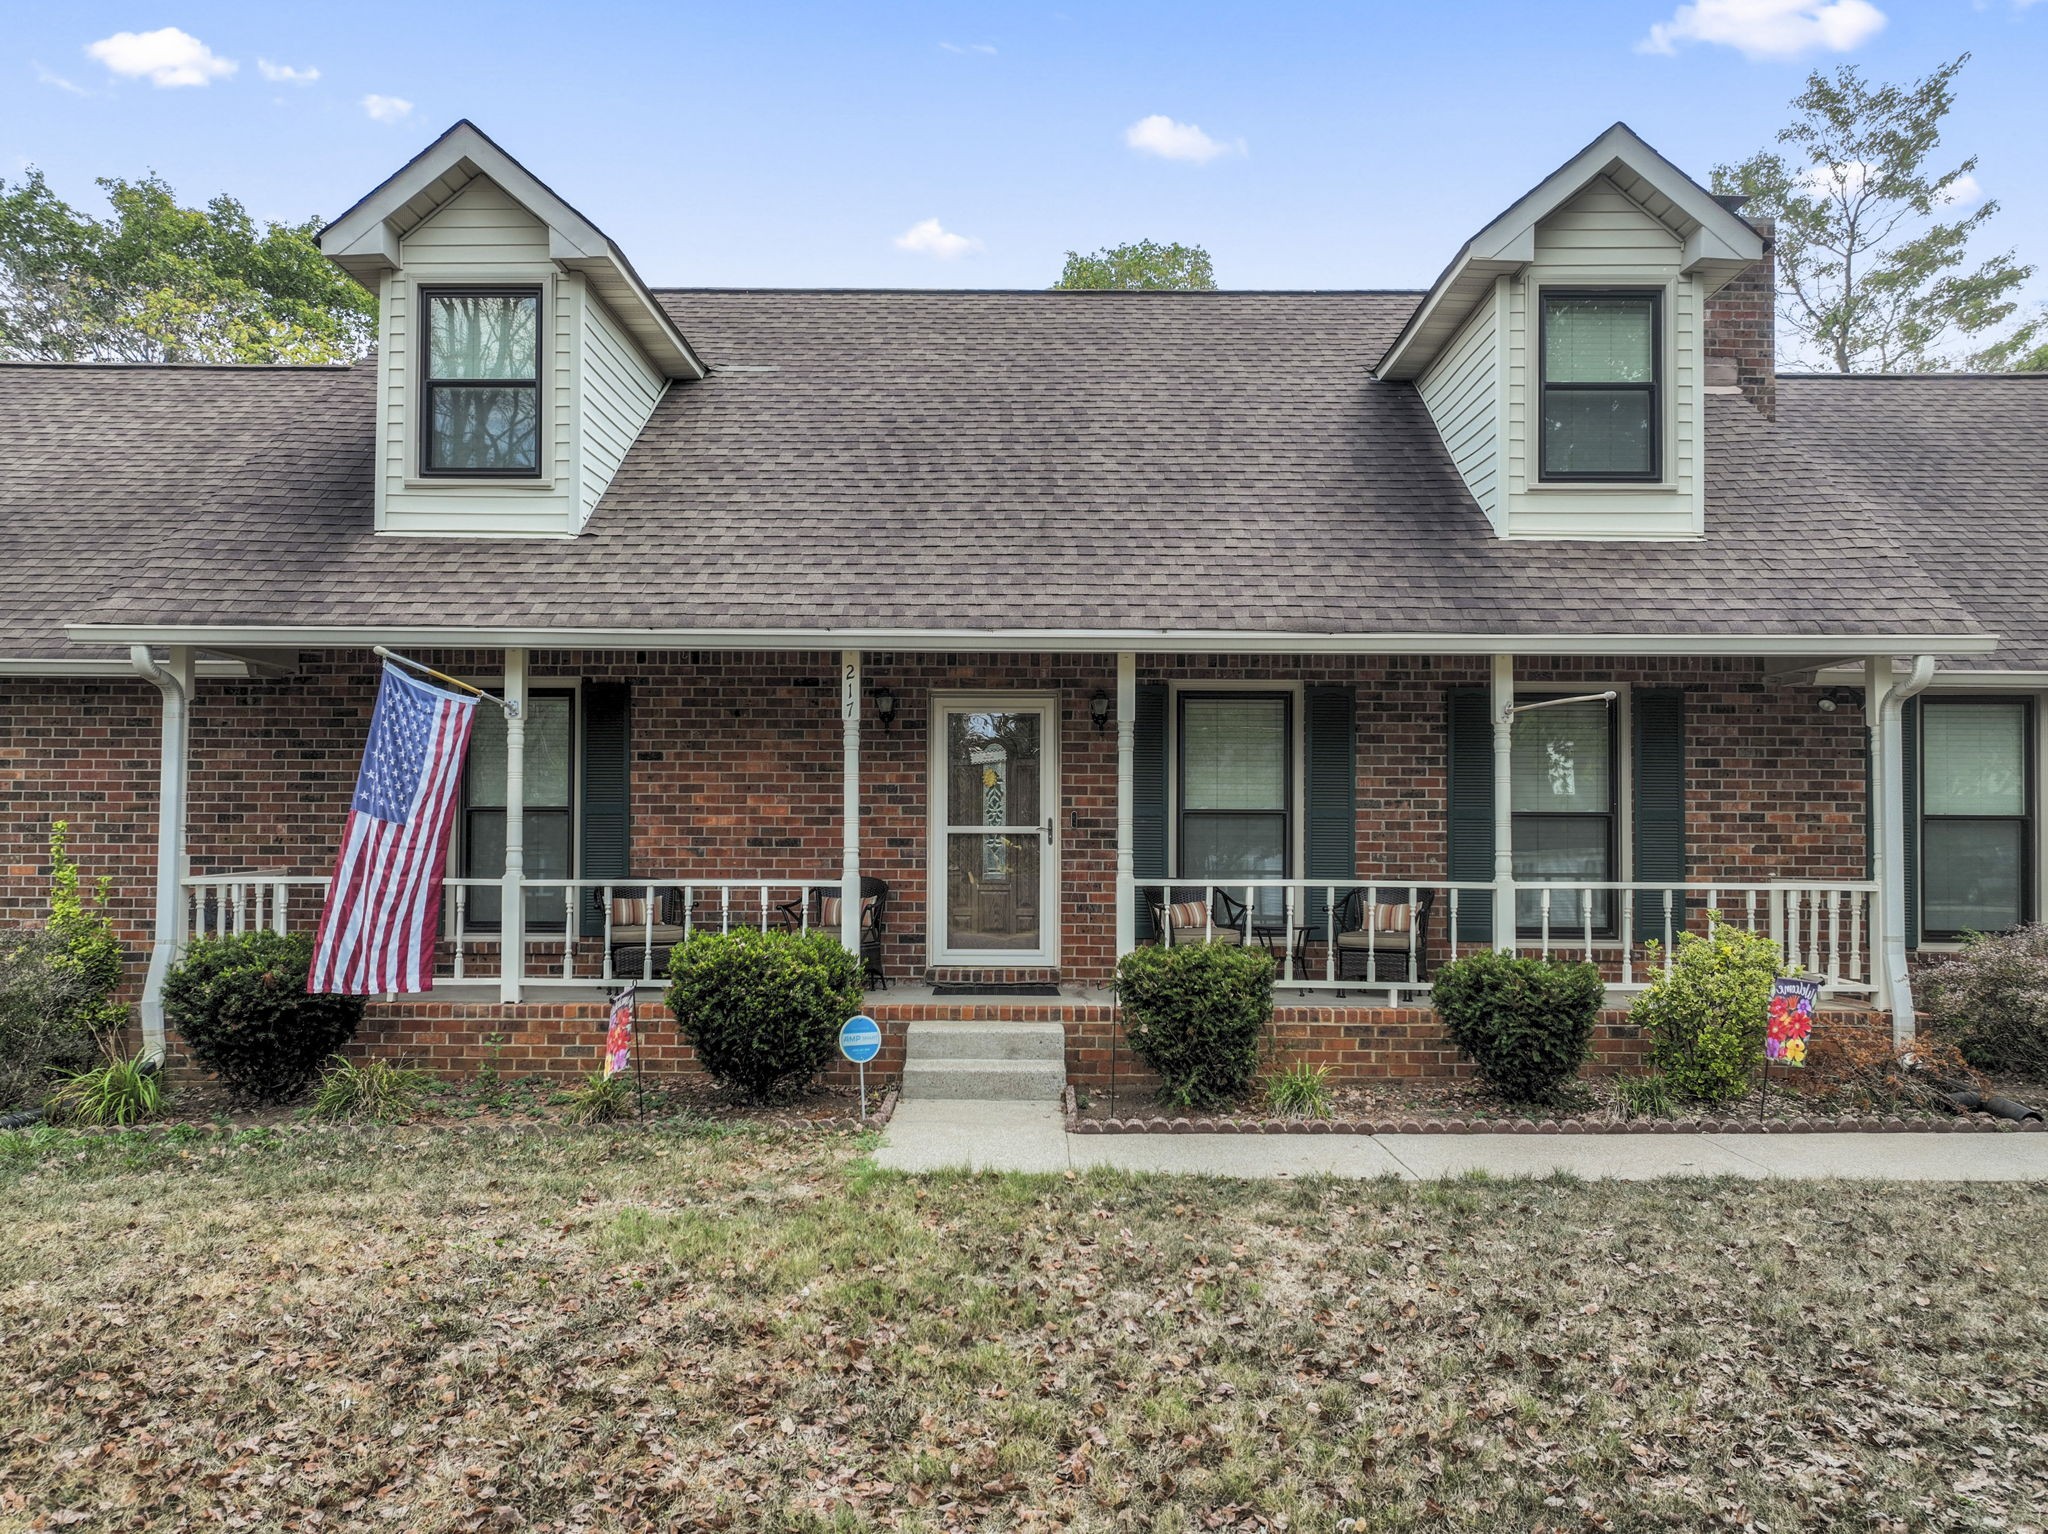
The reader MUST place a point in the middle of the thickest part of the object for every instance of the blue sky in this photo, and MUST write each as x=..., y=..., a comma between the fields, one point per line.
x=1330, y=146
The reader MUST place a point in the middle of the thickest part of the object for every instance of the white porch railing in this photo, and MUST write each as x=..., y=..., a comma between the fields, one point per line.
x=1822, y=928
x=570, y=938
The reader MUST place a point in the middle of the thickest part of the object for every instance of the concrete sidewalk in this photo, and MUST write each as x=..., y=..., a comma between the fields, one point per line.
x=932, y=1136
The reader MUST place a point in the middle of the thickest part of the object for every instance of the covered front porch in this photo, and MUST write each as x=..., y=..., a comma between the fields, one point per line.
x=998, y=815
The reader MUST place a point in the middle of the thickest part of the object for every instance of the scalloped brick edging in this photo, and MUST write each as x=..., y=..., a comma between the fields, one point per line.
x=1159, y=1124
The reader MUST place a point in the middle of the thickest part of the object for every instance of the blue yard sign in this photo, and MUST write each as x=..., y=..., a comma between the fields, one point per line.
x=860, y=1041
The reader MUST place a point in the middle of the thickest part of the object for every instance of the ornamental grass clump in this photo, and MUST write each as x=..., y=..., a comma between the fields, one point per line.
x=111, y=1095
x=376, y=1090
x=1706, y=1014
x=1195, y=1014
x=241, y=1005
x=1525, y=1024
x=1991, y=1001
x=763, y=1009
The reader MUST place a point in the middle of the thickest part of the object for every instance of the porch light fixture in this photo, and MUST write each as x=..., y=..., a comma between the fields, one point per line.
x=885, y=707
x=1098, y=709
x=1836, y=697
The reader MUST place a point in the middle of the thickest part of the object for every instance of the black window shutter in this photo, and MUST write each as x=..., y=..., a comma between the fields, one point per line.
x=1469, y=808
x=1659, y=751
x=605, y=846
x=1148, y=796
x=1331, y=779
x=1909, y=777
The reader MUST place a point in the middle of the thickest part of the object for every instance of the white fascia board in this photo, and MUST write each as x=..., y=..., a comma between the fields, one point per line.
x=1952, y=681
x=110, y=665
x=365, y=240
x=1069, y=641
x=1509, y=241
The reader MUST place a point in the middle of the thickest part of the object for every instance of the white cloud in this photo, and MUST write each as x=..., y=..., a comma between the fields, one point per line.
x=989, y=48
x=284, y=74
x=1963, y=192
x=165, y=57
x=1768, y=29
x=930, y=238
x=51, y=78
x=1162, y=136
x=1835, y=181
x=387, y=109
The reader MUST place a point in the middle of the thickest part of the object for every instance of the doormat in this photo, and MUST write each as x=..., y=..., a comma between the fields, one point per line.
x=994, y=988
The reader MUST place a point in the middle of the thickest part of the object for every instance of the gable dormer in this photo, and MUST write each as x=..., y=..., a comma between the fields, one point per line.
x=518, y=353
x=1563, y=353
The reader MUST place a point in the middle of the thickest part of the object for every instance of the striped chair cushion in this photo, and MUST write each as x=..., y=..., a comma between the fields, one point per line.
x=829, y=908
x=629, y=910
x=1393, y=918
x=1188, y=915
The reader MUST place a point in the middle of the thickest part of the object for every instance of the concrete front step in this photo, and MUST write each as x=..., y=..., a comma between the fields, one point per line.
x=1010, y=1081
x=985, y=1041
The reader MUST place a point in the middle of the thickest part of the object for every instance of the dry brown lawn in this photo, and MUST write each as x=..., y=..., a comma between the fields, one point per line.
x=550, y=1329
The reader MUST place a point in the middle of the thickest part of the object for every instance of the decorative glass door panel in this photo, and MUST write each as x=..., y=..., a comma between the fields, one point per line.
x=995, y=793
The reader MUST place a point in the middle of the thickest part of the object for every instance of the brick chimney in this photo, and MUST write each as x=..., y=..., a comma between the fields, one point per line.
x=1741, y=331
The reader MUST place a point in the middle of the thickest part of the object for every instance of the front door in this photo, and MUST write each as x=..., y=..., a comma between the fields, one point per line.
x=994, y=798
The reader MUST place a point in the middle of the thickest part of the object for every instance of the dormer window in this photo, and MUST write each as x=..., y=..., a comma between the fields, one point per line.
x=481, y=382
x=1601, y=391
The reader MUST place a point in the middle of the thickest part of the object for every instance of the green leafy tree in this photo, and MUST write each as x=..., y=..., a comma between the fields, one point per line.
x=158, y=282
x=1874, y=263
x=1143, y=267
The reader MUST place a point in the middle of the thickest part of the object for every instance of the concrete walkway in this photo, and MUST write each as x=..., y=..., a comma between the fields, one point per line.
x=941, y=1135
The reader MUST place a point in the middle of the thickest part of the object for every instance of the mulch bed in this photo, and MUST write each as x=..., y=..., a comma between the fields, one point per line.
x=1385, y=1108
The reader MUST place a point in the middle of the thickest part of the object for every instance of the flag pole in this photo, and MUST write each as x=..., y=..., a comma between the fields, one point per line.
x=442, y=676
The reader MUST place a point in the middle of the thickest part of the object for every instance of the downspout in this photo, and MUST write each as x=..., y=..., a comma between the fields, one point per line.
x=174, y=683
x=1891, y=845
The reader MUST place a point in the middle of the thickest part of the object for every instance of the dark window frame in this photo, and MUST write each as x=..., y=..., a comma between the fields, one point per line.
x=467, y=844
x=2025, y=818
x=429, y=383
x=1654, y=388
x=1610, y=928
x=1288, y=810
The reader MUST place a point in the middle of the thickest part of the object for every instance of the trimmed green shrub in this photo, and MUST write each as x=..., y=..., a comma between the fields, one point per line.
x=1526, y=1024
x=763, y=1009
x=1195, y=1014
x=115, y=1094
x=1991, y=1001
x=57, y=985
x=1705, y=1016
x=241, y=1004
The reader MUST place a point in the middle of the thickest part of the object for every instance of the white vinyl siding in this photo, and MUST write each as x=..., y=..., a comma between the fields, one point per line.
x=1461, y=392
x=1602, y=238
x=480, y=237
x=620, y=390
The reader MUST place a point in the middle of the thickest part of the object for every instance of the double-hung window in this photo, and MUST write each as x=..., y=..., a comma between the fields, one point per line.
x=1975, y=832
x=1602, y=397
x=550, y=817
x=480, y=383
x=1236, y=768
x=1563, y=782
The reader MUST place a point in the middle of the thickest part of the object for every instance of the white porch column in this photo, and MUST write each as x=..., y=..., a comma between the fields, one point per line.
x=1884, y=702
x=174, y=681
x=512, y=899
x=1503, y=712
x=1126, y=788
x=849, y=788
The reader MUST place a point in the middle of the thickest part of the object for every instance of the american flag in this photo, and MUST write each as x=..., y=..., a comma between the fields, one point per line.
x=383, y=910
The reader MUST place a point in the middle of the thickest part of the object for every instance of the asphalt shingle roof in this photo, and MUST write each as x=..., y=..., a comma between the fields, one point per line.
x=984, y=461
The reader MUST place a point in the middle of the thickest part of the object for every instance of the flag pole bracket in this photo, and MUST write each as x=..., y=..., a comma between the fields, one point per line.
x=511, y=709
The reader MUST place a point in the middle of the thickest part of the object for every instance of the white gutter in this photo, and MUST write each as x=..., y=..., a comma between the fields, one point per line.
x=174, y=682
x=1070, y=641
x=1888, y=749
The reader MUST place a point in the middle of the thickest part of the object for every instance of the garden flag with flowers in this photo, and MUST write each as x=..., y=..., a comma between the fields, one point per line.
x=1791, y=1020
x=383, y=911
x=618, y=1039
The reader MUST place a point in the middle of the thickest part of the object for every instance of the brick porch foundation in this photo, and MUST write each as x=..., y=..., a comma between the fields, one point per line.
x=1358, y=1043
